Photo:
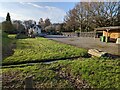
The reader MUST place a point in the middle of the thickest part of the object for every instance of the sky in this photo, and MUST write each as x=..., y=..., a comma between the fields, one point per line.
x=55, y=11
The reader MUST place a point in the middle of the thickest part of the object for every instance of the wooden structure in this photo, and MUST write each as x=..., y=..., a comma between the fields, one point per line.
x=112, y=32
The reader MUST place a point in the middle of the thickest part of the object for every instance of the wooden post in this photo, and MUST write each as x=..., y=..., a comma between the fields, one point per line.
x=107, y=35
x=94, y=34
x=28, y=83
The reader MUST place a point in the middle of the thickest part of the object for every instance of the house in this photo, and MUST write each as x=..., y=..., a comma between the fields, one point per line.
x=37, y=30
x=34, y=30
x=28, y=24
x=111, y=33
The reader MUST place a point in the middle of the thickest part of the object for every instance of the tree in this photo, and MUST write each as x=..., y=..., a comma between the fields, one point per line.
x=7, y=25
x=47, y=22
x=70, y=20
x=8, y=17
x=19, y=26
x=50, y=29
x=42, y=24
x=88, y=15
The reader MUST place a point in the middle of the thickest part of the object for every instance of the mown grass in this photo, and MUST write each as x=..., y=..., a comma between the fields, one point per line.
x=98, y=73
x=40, y=49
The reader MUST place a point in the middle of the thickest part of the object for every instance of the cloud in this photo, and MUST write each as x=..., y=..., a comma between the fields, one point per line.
x=14, y=16
x=35, y=5
x=28, y=10
x=42, y=7
x=54, y=13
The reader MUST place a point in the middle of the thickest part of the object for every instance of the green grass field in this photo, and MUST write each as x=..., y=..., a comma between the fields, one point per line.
x=98, y=73
x=40, y=49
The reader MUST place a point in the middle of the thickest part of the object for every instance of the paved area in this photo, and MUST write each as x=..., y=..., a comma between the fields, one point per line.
x=87, y=43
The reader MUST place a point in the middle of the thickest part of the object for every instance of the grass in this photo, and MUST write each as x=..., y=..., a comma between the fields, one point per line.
x=98, y=73
x=8, y=41
x=43, y=77
x=40, y=49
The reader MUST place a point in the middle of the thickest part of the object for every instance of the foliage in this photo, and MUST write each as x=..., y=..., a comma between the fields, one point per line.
x=47, y=22
x=7, y=27
x=41, y=49
x=42, y=24
x=19, y=27
x=88, y=15
x=8, y=17
x=21, y=36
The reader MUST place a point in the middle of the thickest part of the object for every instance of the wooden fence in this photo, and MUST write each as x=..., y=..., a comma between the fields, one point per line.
x=81, y=34
x=87, y=34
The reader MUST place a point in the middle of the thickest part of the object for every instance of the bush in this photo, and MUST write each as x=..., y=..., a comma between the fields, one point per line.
x=8, y=27
x=4, y=35
x=21, y=36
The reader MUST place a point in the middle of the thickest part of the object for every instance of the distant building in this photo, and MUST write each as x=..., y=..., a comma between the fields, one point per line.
x=35, y=30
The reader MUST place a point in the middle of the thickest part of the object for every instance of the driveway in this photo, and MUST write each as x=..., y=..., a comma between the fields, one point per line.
x=87, y=43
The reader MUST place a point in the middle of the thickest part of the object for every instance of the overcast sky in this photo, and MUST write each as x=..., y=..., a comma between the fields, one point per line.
x=55, y=11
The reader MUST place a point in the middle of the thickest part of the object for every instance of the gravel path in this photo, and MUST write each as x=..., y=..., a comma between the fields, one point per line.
x=87, y=43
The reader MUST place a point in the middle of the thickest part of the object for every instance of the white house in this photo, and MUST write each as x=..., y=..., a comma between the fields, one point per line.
x=35, y=30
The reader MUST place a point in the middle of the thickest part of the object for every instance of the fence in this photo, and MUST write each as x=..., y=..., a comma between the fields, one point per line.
x=81, y=34
x=87, y=34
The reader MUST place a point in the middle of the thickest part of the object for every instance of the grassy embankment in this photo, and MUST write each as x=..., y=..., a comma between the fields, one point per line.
x=8, y=44
x=41, y=49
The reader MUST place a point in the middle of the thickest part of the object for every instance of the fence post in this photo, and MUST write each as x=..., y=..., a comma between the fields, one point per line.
x=28, y=83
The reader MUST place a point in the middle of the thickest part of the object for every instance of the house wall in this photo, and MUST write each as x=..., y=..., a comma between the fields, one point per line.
x=37, y=31
x=112, y=34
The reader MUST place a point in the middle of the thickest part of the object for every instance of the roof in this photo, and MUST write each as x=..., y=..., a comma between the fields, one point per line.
x=38, y=26
x=107, y=28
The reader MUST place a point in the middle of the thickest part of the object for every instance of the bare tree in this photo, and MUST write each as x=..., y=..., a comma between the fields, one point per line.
x=42, y=24
x=70, y=20
x=47, y=22
x=88, y=15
